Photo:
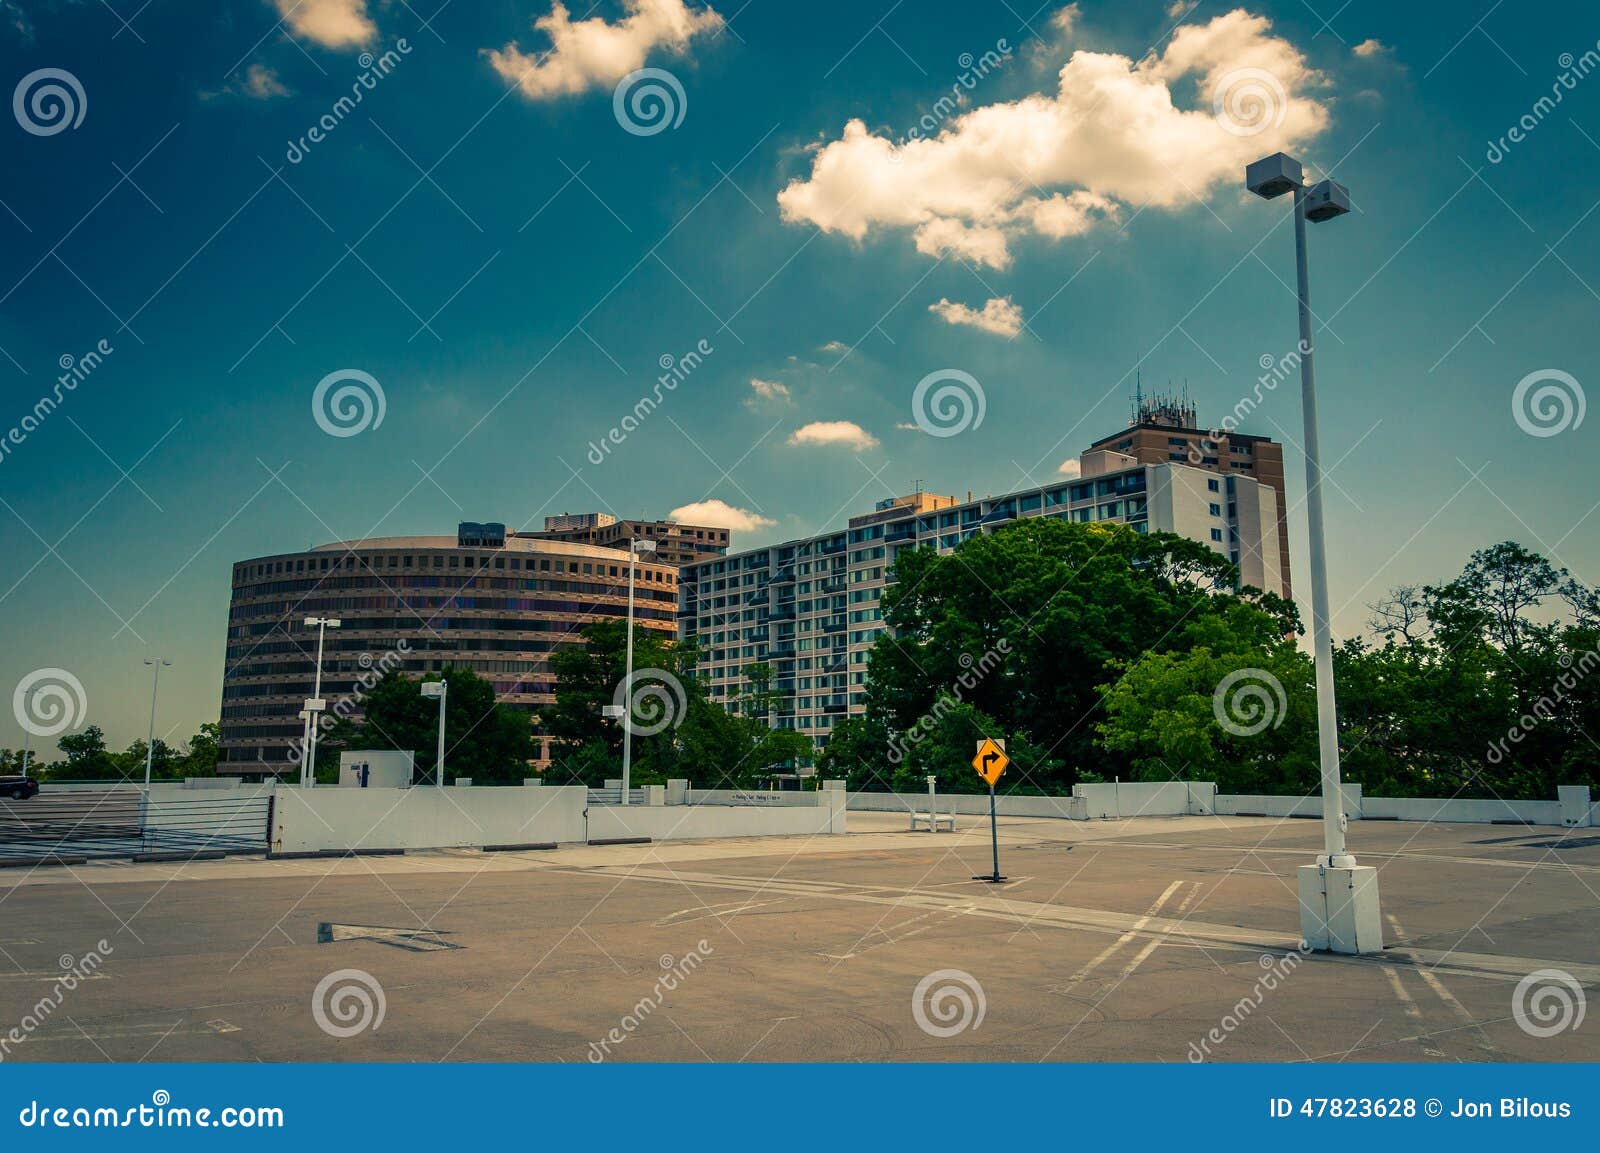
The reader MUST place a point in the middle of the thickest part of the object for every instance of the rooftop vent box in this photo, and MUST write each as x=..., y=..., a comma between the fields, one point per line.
x=471, y=534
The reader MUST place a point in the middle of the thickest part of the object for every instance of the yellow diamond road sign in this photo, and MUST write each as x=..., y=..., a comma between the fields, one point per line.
x=990, y=760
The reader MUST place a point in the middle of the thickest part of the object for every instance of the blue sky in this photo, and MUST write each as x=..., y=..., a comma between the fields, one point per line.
x=484, y=237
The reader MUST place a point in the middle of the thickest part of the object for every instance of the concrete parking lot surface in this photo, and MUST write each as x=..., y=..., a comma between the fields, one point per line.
x=1144, y=940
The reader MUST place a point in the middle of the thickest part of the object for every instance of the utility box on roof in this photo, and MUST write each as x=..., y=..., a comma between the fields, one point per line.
x=376, y=769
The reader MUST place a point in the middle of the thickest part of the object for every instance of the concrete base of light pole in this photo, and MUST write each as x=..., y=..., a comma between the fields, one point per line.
x=1339, y=910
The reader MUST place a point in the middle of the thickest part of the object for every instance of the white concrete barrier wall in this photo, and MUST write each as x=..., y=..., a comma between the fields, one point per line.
x=969, y=804
x=702, y=821
x=1134, y=799
x=756, y=797
x=1145, y=799
x=1259, y=805
x=1461, y=811
x=307, y=820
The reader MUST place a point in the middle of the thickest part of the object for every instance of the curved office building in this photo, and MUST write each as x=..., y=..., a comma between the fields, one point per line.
x=493, y=602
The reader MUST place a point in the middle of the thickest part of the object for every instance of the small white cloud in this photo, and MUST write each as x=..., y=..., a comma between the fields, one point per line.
x=1370, y=48
x=829, y=432
x=330, y=23
x=593, y=54
x=1065, y=20
x=720, y=514
x=1178, y=9
x=769, y=390
x=837, y=347
x=998, y=315
x=262, y=83
x=1070, y=468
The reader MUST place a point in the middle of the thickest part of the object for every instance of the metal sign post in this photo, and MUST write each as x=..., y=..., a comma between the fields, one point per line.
x=990, y=760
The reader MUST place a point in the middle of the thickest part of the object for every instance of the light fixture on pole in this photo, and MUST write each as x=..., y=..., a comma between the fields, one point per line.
x=316, y=706
x=438, y=690
x=150, y=744
x=635, y=547
x=1339, y=908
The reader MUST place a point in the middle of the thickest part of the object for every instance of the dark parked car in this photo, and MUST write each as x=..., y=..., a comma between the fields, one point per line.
x=18, y=788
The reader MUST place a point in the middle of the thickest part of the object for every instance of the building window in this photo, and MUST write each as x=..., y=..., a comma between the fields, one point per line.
x=1216, y=534
x=1211, y=486
x=1216, y=509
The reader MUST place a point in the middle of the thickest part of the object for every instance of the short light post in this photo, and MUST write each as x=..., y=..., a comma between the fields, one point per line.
x=439, y=690
x=1339, y=909
x=316, y=706
x=157, y=663
x=634, y=549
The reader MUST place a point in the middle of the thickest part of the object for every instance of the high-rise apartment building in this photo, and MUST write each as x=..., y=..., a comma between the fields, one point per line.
x=1164, y=429
x=810, y=608
x=677, y=544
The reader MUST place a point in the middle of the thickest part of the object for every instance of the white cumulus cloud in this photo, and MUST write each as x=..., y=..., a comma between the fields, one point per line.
x=262, y=83
x=1057, y=164
x=761, y=390
x=330, y=23
x=719, y=514
x=1369, y=48
x=1070, y=468
x=998, y=315
x=591, y=53
x=830, y=432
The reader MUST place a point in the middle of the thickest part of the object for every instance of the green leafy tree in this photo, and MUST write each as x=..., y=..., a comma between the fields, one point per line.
x=1027, y=627
x=483, y=739
x=1478, y=686
x=86, y=757
x=700, y=740
x=200, y=757
x=1223, y=706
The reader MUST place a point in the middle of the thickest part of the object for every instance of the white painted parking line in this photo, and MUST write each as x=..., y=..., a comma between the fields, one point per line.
x=1133, y=930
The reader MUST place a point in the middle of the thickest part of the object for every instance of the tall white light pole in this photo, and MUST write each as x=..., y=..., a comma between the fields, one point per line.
x=150, y=743
x=635, y=547
x=1340, y=909
x=316, y=705
x=438, y=689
